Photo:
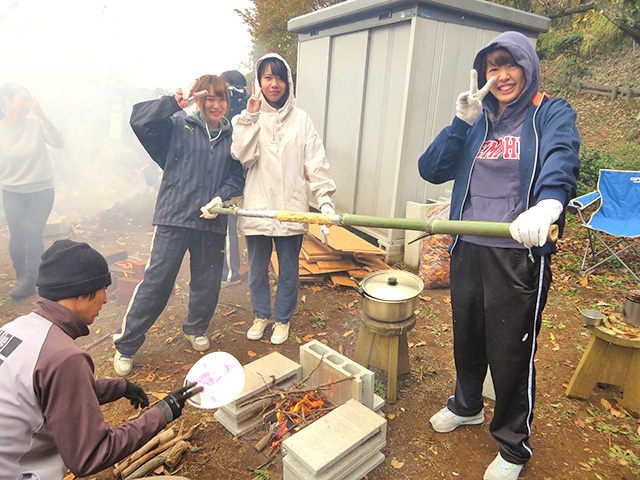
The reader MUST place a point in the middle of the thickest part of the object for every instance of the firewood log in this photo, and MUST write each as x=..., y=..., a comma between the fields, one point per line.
x=163, y=437
x=149, y=466
x=176, y=452
x=145, y=458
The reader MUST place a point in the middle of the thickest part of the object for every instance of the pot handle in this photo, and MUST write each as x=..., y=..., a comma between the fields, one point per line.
x=357, y=287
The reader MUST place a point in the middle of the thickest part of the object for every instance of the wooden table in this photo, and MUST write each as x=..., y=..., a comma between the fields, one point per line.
x=611, y=359
x=384, y=345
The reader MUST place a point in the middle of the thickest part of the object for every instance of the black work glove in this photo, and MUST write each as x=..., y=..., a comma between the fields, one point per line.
x=135, y=394
x=172, y=404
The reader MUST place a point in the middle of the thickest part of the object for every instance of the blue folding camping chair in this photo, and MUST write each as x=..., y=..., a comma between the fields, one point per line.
x=618, y=216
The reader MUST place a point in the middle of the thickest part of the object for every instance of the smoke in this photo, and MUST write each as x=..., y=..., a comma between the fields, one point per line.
x=88, y=61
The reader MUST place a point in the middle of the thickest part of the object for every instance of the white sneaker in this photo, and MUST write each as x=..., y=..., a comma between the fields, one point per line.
x=122, y=364
x=280, y=333
x=500, y=469
x=446, y=421
x=200, y=343
x=257, y=329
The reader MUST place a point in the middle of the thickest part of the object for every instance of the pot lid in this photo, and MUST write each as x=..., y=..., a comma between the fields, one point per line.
x=392, y=285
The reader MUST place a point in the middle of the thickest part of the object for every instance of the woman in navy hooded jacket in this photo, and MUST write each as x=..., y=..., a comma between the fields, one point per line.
x=513, y=155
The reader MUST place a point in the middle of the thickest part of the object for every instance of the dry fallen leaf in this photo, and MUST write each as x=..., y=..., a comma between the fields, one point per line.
x=605, y=403
x=308, y=338
x=251, y=353
x=396, y=464
x=348, y=332
x=340, y=349
x=151, y=377
x=584, y=282
x=391, y=416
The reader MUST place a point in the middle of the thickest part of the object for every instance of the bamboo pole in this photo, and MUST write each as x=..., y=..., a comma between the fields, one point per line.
x=431, y=226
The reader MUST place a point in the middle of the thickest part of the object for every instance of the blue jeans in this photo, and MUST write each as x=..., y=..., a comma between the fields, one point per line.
x=168, y=247
x=259, y=249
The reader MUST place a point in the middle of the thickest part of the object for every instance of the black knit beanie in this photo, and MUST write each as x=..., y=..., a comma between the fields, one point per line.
x=71, y=269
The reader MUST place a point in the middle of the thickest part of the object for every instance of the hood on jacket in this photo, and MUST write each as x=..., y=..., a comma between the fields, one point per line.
x=291, y=101
x=522, y=50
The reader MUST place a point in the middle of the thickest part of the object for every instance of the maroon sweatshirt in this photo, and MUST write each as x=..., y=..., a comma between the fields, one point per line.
x=50, y=401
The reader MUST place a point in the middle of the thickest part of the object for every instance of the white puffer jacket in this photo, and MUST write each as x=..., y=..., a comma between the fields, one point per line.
x=281, y=152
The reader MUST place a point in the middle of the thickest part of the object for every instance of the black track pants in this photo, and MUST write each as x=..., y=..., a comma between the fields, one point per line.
x=497, y=298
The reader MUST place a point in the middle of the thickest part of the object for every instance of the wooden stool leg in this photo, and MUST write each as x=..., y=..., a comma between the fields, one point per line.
x=631, y=387
x=585, y=377
x=392, y=370
x=364, y=346
x=403, y=355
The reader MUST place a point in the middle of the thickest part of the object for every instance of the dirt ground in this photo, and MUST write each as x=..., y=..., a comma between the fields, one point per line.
x=572, y=439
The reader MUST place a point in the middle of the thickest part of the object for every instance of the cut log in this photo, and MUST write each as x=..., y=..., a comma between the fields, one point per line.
x=176, y=452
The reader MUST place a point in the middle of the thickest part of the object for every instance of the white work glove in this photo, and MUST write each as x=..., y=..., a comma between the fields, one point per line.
x=531, y=228
x=469, y=104
x=216, y=202
x=325, y=208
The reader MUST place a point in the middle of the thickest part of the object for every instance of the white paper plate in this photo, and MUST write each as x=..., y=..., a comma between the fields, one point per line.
x=221, y=376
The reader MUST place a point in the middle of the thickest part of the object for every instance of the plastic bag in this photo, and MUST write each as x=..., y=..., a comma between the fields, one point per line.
x=434, y=253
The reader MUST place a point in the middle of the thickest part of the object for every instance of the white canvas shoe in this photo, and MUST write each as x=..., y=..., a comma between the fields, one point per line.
x=280, y=333
x=257, y=329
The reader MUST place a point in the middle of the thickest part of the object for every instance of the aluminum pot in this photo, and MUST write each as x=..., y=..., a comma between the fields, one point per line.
x=390, y=295
x=631, y=309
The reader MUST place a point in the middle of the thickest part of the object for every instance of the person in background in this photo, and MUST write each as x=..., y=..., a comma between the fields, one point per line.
x=282, y=156
x=49, y=398
x=513, y=155
x=194, y=152
x=26, y=175
x=237, y=85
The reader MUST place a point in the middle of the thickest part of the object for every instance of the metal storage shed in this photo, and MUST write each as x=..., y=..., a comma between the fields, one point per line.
x=379, y=79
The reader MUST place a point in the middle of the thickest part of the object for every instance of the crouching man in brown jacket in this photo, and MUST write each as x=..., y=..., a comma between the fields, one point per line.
x=50, y=417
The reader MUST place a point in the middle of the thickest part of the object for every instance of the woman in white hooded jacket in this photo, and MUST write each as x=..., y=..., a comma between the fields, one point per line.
x=281, y=153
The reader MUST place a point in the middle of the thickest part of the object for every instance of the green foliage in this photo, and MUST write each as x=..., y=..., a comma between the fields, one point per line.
x=261, y=473
x=593, y=160
x=267, y=24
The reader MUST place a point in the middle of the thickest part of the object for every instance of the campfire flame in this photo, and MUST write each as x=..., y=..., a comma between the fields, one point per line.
x=289, y=417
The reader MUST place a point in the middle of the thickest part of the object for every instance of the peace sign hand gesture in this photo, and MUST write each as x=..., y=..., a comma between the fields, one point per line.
x=184, y=100
x=254, y=102
x=469, y=103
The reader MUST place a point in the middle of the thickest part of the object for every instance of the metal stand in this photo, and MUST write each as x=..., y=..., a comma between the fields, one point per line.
x=384, y=345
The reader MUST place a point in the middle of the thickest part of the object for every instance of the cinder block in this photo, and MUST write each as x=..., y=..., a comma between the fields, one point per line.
x=324, y=449
x=240, y=414
x=378, y=403
x=352, y=466
x=335, y=366
x=266, y=372
x=237, y=428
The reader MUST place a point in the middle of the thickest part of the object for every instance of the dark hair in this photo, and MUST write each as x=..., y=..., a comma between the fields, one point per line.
x=10, y=90
x=214, y=84
x=277, y=68
x=234, y=77
x=502, y=57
